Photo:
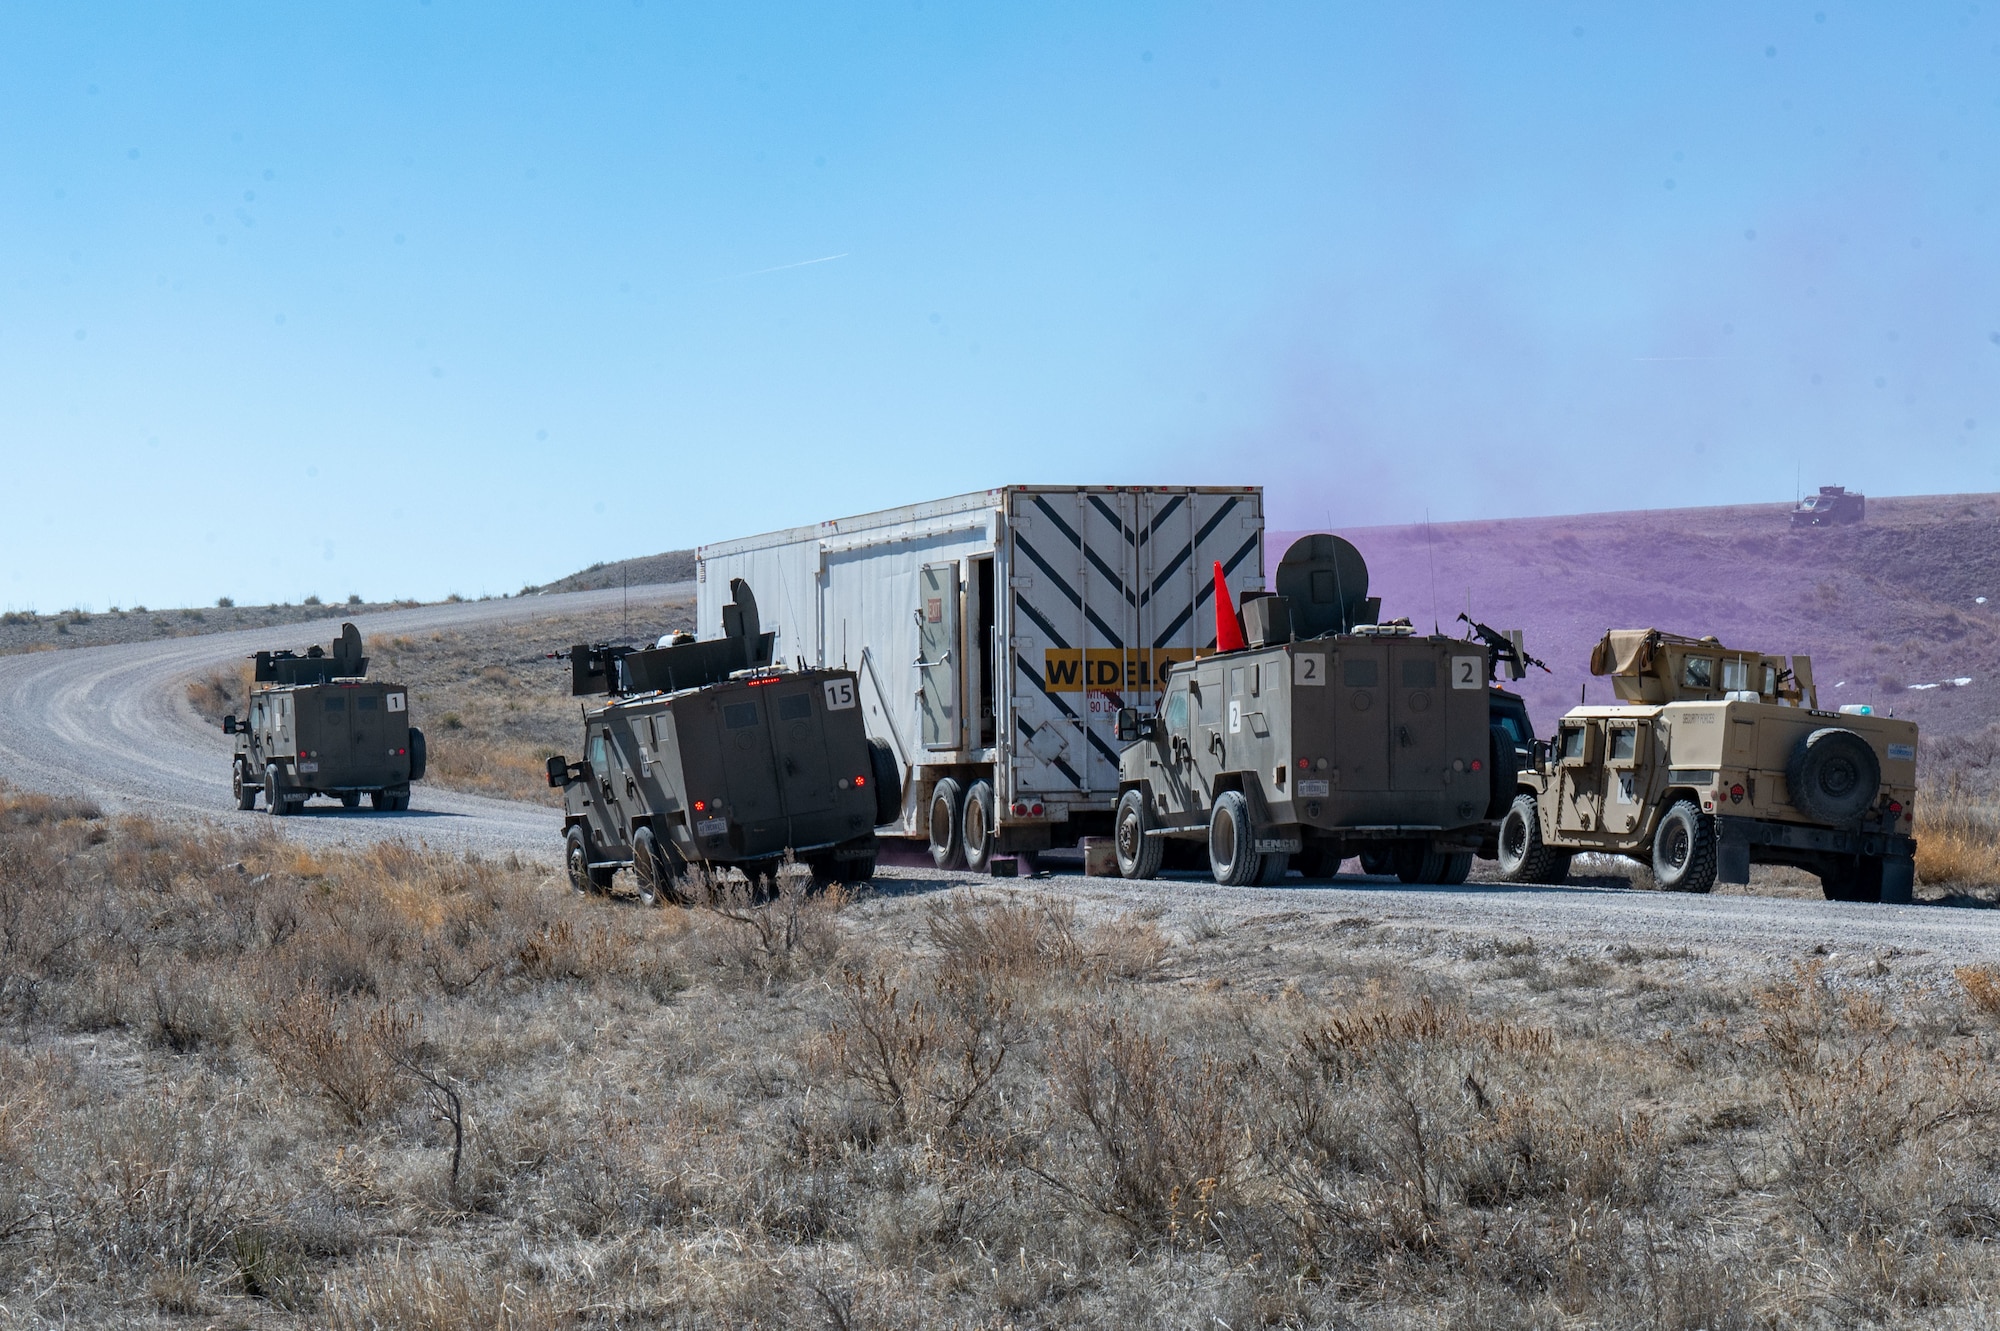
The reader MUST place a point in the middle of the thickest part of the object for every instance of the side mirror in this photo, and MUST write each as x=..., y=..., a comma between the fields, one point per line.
x=1538, y=753
x=558, y=768
x=1127, y=728
x=229, y=726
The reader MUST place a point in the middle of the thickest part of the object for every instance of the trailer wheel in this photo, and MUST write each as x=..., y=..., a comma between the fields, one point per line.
x=1684, y=849
x=276, y=802
x=1231, y=854
x=1139, y=855
x=947, y=841
x=1523, y=856
x=245, y=791
x=976, y=827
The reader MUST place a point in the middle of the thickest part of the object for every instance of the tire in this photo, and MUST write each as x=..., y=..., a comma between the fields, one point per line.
x=1420, y=862
x=947, y=847
x=656, y=870
x=420, y=754
x=1457, y=868
x=1378, y=860
x=1230, y=838
x=1503, y=766
x=381, y=801
x=1319, y=860
x=576, y=861
x=887, y=774
x=244, y=791
x=1522, y=855
x=1833, y=776
x=975, y=826
x=350, y=799
x=1139, y=855
x=276, y=802
x=1684, y=849
x=1276, y=864
x=861, y=871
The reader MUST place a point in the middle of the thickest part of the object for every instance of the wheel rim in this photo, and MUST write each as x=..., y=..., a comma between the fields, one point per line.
x=941, y=826
x=1129, y=835
x=1838, y=779
x=1674, y=847
x=1513, y=839
x=1222, y=840
x=975, y=828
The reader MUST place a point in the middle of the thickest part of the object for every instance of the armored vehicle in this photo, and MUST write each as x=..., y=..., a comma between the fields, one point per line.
x=1312, y=734
x=1714, y=759
x=708, y=753
x=319, y=726
x=1833, y=505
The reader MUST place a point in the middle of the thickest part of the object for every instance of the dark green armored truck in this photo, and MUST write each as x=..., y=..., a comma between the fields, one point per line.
x=710, y=754
x=1321, y=734
x=319, y=726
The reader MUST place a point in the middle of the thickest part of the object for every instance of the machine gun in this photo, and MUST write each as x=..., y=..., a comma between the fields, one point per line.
x=1507, y=650
x=679, y=662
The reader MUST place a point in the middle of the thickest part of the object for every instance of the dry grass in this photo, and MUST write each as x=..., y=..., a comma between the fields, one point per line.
x=1958, y=834
x=255, y=1084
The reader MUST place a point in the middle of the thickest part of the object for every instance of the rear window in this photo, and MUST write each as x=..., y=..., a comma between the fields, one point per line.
x=365, y=703
x=336, y=703
x=1358, y=674
x=1421, y=674
x=739, y=715
x=798, y=707
x=1511, y=727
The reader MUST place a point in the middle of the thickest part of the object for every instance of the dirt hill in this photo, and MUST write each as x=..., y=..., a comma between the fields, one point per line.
x=673, y=566
x=1890, y=611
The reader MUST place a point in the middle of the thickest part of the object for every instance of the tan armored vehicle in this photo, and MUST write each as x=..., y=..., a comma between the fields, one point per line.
x=319, y=726
x=1714, y=759
x=1313, y=734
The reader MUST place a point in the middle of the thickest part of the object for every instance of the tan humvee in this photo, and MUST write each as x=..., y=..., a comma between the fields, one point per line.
x=1714, y=759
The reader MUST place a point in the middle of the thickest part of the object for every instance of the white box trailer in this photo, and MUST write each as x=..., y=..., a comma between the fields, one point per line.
x=996, y=634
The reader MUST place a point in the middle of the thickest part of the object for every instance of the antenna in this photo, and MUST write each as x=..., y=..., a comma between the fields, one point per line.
x=1431, y=549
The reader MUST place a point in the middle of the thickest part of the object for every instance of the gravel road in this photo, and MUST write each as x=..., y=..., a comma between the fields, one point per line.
x=113, y=723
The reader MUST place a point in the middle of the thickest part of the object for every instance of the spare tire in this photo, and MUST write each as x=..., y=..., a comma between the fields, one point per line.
x=887, y=774
x=420, y=754
x=1833, y=775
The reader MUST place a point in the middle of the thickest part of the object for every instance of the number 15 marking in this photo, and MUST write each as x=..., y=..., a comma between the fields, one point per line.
x=839, y=694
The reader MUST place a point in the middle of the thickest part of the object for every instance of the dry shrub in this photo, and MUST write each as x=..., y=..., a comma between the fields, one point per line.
x=1164, y=1134
x=1041, y=938
x=407, y=1292
x=20, y=809
x=1958, y=835
x=353, y=1059
x=462, y=761
x=221, y=692
x=927, y=1058
x=1982, y=987
x=777, y=929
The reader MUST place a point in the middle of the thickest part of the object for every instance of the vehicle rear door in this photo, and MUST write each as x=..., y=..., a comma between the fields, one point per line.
x=754, y=799
x=1416, y=716
x=1361, y=704
x=373, y=748
x=798, y=744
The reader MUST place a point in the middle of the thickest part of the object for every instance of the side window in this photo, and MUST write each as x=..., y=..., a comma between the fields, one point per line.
x=1177, y=712
x=598, y=762
x=1624, y=744
x=1700, y=673
x=1511, y=727
x=1236, y=681
x=1735, y=674
x=1573, y=742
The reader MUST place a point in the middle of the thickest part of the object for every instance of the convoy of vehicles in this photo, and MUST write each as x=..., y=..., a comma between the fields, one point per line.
x=318, y=726
x=999, y=672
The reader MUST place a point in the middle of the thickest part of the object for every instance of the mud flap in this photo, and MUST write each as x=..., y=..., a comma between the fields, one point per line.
x=1732, y=852
x=1899, y=878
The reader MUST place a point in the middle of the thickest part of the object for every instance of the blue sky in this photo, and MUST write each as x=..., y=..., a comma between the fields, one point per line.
x=411, y=298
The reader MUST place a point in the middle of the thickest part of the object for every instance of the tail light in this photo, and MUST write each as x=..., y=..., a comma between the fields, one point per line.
x=1736, y=794
x=1895, y=806
x=860, y=781
x=700, y=806
x=1036, y=810
x=1475, y=765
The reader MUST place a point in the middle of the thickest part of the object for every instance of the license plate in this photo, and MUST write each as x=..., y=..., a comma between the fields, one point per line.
x=308, y=767
x=1902, y=753
x=711, y=827
x=1308, y=789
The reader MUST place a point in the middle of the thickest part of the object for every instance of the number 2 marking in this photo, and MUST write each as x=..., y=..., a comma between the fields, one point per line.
x=839, y=694
x=1306, y=668
x=1465, y=672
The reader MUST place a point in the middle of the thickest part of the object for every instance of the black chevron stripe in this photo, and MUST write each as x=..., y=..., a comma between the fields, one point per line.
x=1061, y=526
x=1028, y=732
x=1206, y=593
x=1042, y=688
x=1041, y=622
x=1117, y=523
x=1035, y=557
x=1160, y=517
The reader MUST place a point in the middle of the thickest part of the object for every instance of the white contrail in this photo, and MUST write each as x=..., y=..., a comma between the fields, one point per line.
x=803, y=263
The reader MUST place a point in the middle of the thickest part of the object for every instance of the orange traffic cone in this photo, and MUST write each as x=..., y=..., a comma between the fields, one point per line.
x=1228, y=628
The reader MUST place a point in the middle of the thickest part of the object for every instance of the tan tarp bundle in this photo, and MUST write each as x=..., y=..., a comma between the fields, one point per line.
x=1625, y=652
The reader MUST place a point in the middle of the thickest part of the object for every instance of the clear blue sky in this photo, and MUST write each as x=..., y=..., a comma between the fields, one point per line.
x=418, y=297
